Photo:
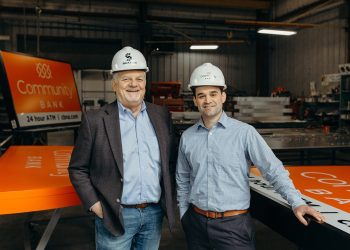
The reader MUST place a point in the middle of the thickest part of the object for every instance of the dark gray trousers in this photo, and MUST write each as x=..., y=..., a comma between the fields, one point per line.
x=230, y=233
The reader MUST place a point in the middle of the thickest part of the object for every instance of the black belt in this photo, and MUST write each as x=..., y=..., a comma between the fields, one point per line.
x=142, y=205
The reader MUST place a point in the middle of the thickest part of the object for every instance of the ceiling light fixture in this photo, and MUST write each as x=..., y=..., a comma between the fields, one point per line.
x=277, y=32
x=204, y=47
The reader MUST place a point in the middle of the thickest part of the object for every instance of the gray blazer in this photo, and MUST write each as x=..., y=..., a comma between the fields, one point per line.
x=96, y=165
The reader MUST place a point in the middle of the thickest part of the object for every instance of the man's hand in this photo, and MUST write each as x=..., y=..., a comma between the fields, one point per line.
x=97, y=209
x=301, y=211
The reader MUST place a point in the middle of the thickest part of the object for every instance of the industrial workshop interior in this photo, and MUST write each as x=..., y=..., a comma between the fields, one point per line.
x=286, y=69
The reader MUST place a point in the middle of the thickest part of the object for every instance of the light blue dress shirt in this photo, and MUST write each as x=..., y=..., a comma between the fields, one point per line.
x=213, y=167
x=141, y=158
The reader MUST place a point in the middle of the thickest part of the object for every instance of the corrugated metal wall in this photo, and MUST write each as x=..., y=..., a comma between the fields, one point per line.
x=297, y=60
x=236, y=61
x=283, y=7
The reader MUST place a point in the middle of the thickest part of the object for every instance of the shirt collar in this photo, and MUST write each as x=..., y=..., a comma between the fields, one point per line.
x=122, y=107
x=223, y=121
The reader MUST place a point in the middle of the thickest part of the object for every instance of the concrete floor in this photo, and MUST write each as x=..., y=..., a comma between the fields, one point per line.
x=75, y=231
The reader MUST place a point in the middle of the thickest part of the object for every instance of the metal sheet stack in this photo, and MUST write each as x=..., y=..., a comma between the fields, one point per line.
x=262, y=109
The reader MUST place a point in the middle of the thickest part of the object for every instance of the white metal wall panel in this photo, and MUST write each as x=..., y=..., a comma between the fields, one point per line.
x=283, y=7
x=299, y=59
x=237, y=63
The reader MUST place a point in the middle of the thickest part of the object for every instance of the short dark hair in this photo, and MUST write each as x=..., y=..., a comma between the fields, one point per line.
x=194, y=89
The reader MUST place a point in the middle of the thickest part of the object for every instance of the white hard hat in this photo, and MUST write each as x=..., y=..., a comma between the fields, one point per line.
x=128, y=59
x=207, y=74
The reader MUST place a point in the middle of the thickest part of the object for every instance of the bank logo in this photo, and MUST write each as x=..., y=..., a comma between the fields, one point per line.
x=43, y=70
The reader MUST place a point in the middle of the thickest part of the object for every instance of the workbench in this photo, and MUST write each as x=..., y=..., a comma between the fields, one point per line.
x=308, y=144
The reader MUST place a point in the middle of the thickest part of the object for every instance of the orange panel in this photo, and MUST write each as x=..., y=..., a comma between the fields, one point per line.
x=35, y=178
x=327, y=184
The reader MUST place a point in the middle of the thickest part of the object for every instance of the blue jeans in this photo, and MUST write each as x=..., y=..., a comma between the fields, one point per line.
x=143, y=228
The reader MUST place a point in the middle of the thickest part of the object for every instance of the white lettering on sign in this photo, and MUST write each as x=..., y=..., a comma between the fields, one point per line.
x=50, y=104
x=341, y=201
x=61, y=158
x=318, y=191
x=331, y=181
x=43, y=89
x=33, y=162
x=335, y=217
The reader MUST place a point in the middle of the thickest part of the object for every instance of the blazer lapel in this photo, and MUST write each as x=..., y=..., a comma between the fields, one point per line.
x=112, y=126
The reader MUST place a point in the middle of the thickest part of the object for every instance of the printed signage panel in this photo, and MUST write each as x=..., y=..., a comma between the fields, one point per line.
x=35, y=178
x=42, y=91
x=326, y=188
x=329, y=185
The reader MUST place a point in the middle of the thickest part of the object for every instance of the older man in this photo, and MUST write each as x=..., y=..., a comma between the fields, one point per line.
x=120, y=163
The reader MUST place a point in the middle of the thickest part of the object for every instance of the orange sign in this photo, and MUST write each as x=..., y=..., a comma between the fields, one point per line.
x=43, y=91
x=327, y=184
x=35, y=178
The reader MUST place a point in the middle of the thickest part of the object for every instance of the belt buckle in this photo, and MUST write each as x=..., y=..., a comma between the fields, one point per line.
x=219, y=215
x=142, y=205
x=210, y=214
x=214, y=215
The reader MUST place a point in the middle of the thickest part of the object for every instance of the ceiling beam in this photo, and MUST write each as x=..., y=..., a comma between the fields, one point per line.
x=234, y=4
x=271, y=24
x=57, y=12
x=233, y=41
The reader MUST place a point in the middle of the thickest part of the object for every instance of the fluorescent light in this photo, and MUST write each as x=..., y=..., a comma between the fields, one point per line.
x=4, y=38
x=277, y=32
x=204, y=46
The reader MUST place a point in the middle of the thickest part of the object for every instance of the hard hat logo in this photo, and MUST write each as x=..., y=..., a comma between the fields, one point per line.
x=207, y=74
x=128, y=59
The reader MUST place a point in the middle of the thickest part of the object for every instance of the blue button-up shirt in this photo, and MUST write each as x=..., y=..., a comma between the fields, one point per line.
x=213, y=167
x=141, y=157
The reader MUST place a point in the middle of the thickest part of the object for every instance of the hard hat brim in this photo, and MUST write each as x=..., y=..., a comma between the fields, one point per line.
x=224, y=87
x=116, y=71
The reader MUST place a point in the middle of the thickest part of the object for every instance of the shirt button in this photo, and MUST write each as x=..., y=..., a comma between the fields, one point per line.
x=210, y=133
x=117, y=200
x=121, y=179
